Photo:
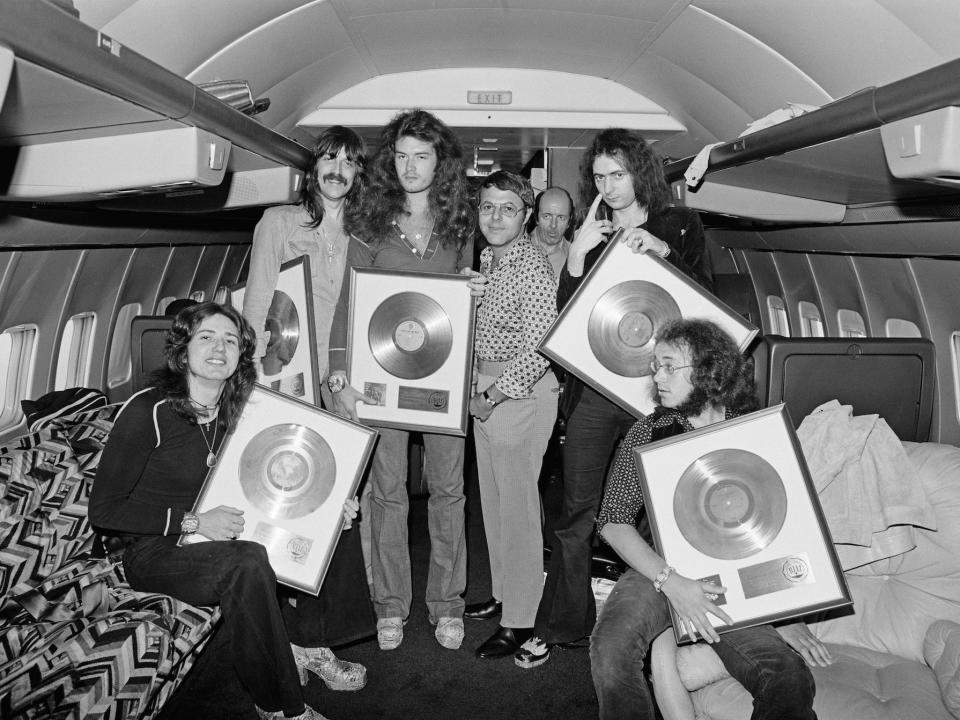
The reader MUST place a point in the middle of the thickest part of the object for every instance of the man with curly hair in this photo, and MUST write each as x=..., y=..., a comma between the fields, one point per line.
x=417, y=215
x=701, y=378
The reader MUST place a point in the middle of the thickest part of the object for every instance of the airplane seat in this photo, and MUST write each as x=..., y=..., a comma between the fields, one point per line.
x=147, y=336
x=893, y=377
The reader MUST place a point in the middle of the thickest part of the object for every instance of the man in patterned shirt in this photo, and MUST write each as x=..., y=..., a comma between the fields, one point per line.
x=515, y=407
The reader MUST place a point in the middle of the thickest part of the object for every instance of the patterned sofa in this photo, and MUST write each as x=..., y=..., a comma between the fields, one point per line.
x=75, y=640
x=898, y=655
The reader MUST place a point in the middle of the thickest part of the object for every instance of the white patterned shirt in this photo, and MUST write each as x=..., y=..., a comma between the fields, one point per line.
x=519, y=305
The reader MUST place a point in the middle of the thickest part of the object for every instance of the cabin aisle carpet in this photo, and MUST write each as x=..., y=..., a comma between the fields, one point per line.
x=420, y=680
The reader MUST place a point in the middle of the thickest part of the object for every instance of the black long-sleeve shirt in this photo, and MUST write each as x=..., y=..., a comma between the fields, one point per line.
x=681, y=229
x=151, y=471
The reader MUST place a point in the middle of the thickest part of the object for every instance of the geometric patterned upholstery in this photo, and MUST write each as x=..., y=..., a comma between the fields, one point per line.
x=75, y=640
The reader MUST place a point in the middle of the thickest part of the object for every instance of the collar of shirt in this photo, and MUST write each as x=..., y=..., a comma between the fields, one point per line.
x=517, y=249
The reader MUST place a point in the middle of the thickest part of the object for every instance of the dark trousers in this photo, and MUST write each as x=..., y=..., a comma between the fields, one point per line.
x=342, y=612
x=236, y=576
x=567, y=608
x=635, y=614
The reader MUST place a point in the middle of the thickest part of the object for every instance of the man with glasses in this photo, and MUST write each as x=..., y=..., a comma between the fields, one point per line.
x=515, y=406
x=416, y=216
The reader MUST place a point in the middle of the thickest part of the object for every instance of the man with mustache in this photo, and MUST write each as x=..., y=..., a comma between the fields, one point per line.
x=314, y=227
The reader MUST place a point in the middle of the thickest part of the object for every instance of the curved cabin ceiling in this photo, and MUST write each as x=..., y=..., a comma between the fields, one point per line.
x=713, y=65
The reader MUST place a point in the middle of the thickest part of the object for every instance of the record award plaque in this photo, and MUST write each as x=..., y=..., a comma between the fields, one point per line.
x=290, y=362
x=289, y=466
x=619, y=308
x=732, y=503
x=410, y=347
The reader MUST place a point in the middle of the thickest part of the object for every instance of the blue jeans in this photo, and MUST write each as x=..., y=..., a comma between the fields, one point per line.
x=390, y=545
x=236, y=575
x=632, y=617
x=567, y=609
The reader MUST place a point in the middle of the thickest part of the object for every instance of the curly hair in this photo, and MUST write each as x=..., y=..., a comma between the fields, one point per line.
x=637, y=157
x=720, y=375
x=171, y=379
x=330, y=142
x=449, y=196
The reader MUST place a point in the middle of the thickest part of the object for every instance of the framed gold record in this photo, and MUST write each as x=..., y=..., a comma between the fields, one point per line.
x=410, y=346
x=733, y=503
x=290, y=363
x=618, y=309
x=289, y=466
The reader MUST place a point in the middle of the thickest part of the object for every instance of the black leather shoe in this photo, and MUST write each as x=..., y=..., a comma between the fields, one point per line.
x=484, y=610
x=504, y=642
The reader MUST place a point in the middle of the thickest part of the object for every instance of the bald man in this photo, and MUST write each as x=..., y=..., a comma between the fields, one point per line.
x=553, y=229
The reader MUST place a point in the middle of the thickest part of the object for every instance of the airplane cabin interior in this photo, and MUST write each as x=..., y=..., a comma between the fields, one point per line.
x=141, y=141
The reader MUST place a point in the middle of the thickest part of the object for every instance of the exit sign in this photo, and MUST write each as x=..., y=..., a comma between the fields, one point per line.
x=489, y=97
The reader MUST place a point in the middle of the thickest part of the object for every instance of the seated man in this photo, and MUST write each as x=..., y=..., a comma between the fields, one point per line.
x=701, y=378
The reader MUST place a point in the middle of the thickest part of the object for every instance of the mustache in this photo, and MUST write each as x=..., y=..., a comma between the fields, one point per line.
x=334, y=176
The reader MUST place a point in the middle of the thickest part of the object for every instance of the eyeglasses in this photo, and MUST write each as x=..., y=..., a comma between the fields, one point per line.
x=506, y=209
x=667, y=368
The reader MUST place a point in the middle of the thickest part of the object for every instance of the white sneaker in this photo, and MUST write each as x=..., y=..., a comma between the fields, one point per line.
x=449, y=632
x=389, y=632
x=532, y=653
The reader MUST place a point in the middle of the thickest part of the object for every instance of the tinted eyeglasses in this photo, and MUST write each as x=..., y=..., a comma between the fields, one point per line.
x=507, y=209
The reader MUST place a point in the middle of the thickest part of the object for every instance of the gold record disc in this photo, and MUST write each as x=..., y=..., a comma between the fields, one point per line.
x=623, y=323
x=410, y=335
x=284, y=326
x=730, y=504
x=287, y=471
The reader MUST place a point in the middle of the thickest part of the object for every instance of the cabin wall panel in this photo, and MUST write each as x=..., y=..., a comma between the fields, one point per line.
x=766, y=281
x=888, y=292
x=938, y=285
x=181, y=269
x=38, y=296
x=798, y=285
x=235, y=266
x=209, y=270
x=838, y=287
x=95, y=288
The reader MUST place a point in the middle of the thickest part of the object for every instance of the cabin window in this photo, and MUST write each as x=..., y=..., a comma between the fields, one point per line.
x=76, y=351
x=197, y=295
x=810, y=317
x=163, y=303
x=777, y=312
x=119, y=368
x=851, y=324
x=222, y=295
x=17, y=360
x=896, y=327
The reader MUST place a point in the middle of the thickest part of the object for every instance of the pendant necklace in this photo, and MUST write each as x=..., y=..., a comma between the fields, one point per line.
x=211, y=455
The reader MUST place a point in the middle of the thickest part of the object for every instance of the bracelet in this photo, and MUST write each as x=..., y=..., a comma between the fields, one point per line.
x=490, y=401
x=662, y=577
x=190, y=524
x=666, y=254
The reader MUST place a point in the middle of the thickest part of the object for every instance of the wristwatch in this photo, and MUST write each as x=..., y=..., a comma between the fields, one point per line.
x=190, y=524
x=489, y=400
x=337, y=382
